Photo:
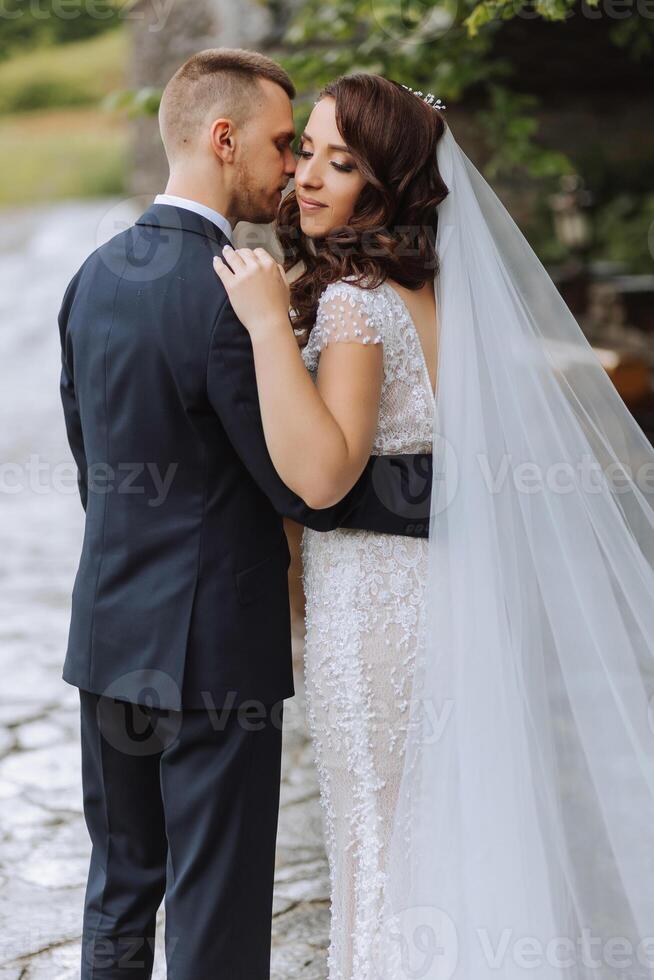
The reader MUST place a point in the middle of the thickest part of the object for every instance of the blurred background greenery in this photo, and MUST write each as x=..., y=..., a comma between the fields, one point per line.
x=55, y=139
x=540, y=89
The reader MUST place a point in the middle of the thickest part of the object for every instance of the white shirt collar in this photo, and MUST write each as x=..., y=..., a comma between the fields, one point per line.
x=184, y=202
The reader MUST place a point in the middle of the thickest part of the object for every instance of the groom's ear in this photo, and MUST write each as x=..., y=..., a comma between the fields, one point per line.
x=223, y=139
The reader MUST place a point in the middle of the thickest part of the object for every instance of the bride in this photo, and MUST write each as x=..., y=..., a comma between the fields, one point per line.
x=482, y=703
x=374, y=348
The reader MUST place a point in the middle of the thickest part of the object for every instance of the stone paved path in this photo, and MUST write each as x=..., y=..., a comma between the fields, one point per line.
x=44, y=846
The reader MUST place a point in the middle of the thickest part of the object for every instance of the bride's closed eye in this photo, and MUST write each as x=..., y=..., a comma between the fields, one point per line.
x=343, y=167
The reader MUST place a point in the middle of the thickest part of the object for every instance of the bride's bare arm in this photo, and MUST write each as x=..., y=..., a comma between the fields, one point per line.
x=319, y=436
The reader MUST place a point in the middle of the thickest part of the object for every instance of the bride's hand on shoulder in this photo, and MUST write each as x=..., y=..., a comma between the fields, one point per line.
x=256, y=286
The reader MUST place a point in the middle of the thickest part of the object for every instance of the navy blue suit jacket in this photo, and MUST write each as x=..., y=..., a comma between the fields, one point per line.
x=181, y=593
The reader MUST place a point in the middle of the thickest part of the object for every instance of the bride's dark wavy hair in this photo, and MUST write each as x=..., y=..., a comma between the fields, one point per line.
x=392, y=135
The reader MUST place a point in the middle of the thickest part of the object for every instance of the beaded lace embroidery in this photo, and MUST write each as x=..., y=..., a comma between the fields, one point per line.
x=364, y=616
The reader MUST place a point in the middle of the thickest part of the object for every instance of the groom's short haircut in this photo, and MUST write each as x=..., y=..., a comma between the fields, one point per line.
x=218, y=81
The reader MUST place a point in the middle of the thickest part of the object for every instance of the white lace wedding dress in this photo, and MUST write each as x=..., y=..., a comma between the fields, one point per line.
x=364, y=618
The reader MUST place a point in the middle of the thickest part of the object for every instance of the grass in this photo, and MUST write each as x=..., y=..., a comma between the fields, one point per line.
x=59, y=154
x=55, y=141
x=76, y=74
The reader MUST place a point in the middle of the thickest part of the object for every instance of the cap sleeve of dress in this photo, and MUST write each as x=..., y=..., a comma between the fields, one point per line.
x=346, y=313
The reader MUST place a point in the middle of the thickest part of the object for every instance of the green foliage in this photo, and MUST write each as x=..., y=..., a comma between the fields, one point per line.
x=636, y=35
x=624, y=227
x=447, y=47
x=630, y=30
x=26, y=25
x=623, y=232
x=54, y=155
x=135, y=102
x=509, y=127
x=430, y=45
x=51, y=145
x=76, y=74
x=488, y=11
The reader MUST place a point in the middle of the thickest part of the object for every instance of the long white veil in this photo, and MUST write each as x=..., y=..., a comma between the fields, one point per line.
x=524, y=840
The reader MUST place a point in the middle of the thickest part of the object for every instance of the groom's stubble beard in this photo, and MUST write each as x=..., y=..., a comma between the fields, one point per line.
x=255, y=203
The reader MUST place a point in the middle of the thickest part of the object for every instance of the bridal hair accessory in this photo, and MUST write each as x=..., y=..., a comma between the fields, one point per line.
x=430, y=98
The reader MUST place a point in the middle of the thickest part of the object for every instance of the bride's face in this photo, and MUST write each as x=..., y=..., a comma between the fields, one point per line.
x=327, y=180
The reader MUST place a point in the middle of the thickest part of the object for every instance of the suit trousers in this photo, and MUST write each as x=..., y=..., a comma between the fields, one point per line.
x=181, y=806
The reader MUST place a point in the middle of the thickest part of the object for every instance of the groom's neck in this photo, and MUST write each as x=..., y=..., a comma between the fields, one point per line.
x=182, y=185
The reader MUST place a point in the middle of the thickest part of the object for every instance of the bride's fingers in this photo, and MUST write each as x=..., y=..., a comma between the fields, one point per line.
x=233, y=257
x=282, y=274
x=222, y=270
x=245, y=256
x=263, y=257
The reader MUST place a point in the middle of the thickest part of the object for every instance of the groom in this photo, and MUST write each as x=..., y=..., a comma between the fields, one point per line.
x=180, y=635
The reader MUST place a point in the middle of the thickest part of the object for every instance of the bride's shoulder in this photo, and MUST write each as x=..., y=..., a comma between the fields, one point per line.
x=349, y=299
x=348, y=311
